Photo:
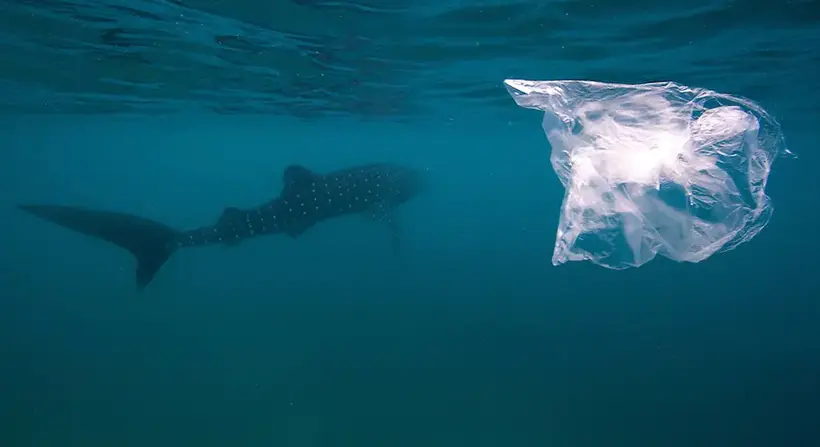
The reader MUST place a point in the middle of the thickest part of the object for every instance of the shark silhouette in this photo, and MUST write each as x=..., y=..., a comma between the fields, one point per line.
x=307, y=198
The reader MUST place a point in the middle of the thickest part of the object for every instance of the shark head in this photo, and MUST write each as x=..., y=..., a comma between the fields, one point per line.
x=408, y=182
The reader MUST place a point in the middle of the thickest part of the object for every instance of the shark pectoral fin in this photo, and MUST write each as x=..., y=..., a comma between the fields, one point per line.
x=395, y=235
x=387, y=214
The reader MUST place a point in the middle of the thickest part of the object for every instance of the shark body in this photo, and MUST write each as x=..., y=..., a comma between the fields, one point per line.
x=307, y=198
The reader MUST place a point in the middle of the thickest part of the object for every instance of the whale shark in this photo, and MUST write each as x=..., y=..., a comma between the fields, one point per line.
x=307, y=198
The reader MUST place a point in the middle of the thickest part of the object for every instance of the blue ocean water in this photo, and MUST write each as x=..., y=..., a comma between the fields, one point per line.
x=468, y=335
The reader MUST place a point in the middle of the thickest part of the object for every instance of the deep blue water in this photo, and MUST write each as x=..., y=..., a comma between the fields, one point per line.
x=173, y=110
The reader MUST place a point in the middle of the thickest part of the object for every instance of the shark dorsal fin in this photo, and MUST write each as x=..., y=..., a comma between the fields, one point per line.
x=299, y=177
x=229, y=218
x=228, y=214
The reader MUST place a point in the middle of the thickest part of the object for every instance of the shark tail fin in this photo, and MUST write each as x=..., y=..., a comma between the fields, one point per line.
x=151, y=243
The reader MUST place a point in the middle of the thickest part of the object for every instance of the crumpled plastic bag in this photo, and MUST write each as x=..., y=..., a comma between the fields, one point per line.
x=657, y=168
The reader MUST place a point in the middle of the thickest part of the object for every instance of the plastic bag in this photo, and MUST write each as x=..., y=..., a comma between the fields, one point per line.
x=651, y=169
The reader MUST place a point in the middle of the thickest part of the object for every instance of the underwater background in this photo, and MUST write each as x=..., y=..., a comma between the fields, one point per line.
x=468, y=336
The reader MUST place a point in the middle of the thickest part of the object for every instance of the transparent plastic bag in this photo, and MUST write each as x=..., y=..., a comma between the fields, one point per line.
x=656, y=168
